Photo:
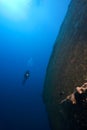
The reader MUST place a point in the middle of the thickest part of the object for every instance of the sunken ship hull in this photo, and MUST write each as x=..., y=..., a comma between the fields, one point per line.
x=66, y=70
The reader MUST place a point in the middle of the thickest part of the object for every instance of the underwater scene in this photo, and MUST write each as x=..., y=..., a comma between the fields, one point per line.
x=43, y=65
x=28, y=31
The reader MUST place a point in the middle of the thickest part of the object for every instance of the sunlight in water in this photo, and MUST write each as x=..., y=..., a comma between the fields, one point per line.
x=15, y=9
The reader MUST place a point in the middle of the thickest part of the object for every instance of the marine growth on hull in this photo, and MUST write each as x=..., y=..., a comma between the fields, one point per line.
x=65, y=87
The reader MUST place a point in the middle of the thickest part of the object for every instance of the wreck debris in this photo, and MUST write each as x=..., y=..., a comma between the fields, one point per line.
x=73, y=110
x=79, y=90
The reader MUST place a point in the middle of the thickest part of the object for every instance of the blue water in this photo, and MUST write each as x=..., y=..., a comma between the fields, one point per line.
x=26, y=43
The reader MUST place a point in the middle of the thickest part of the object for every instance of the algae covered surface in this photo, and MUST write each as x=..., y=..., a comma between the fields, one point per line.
x=67, y=67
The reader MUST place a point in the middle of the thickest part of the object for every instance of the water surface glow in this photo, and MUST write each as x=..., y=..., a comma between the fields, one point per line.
x=15, y=9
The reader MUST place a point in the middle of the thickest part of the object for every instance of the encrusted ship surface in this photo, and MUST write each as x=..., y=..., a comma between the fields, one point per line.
x=67, y=69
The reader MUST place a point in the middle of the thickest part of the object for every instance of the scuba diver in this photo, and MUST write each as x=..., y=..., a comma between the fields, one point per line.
x=26, y=76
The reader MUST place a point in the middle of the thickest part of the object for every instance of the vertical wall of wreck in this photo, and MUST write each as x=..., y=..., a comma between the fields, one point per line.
x=67, y=66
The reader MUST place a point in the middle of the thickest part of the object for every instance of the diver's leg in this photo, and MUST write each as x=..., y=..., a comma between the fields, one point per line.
x=24, y=81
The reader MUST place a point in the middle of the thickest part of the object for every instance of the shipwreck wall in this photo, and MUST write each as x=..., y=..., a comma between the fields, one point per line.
x=67, y=67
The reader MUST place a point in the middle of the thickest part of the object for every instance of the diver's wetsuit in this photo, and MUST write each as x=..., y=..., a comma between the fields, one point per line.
x=26, y=76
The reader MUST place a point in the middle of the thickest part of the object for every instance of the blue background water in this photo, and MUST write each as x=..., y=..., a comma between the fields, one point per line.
x=26, y=44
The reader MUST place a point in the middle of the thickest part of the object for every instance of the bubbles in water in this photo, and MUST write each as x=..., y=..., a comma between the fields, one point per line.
x=30, y=62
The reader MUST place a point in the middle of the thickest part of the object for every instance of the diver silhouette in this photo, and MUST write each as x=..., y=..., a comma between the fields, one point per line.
x=26, y=76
